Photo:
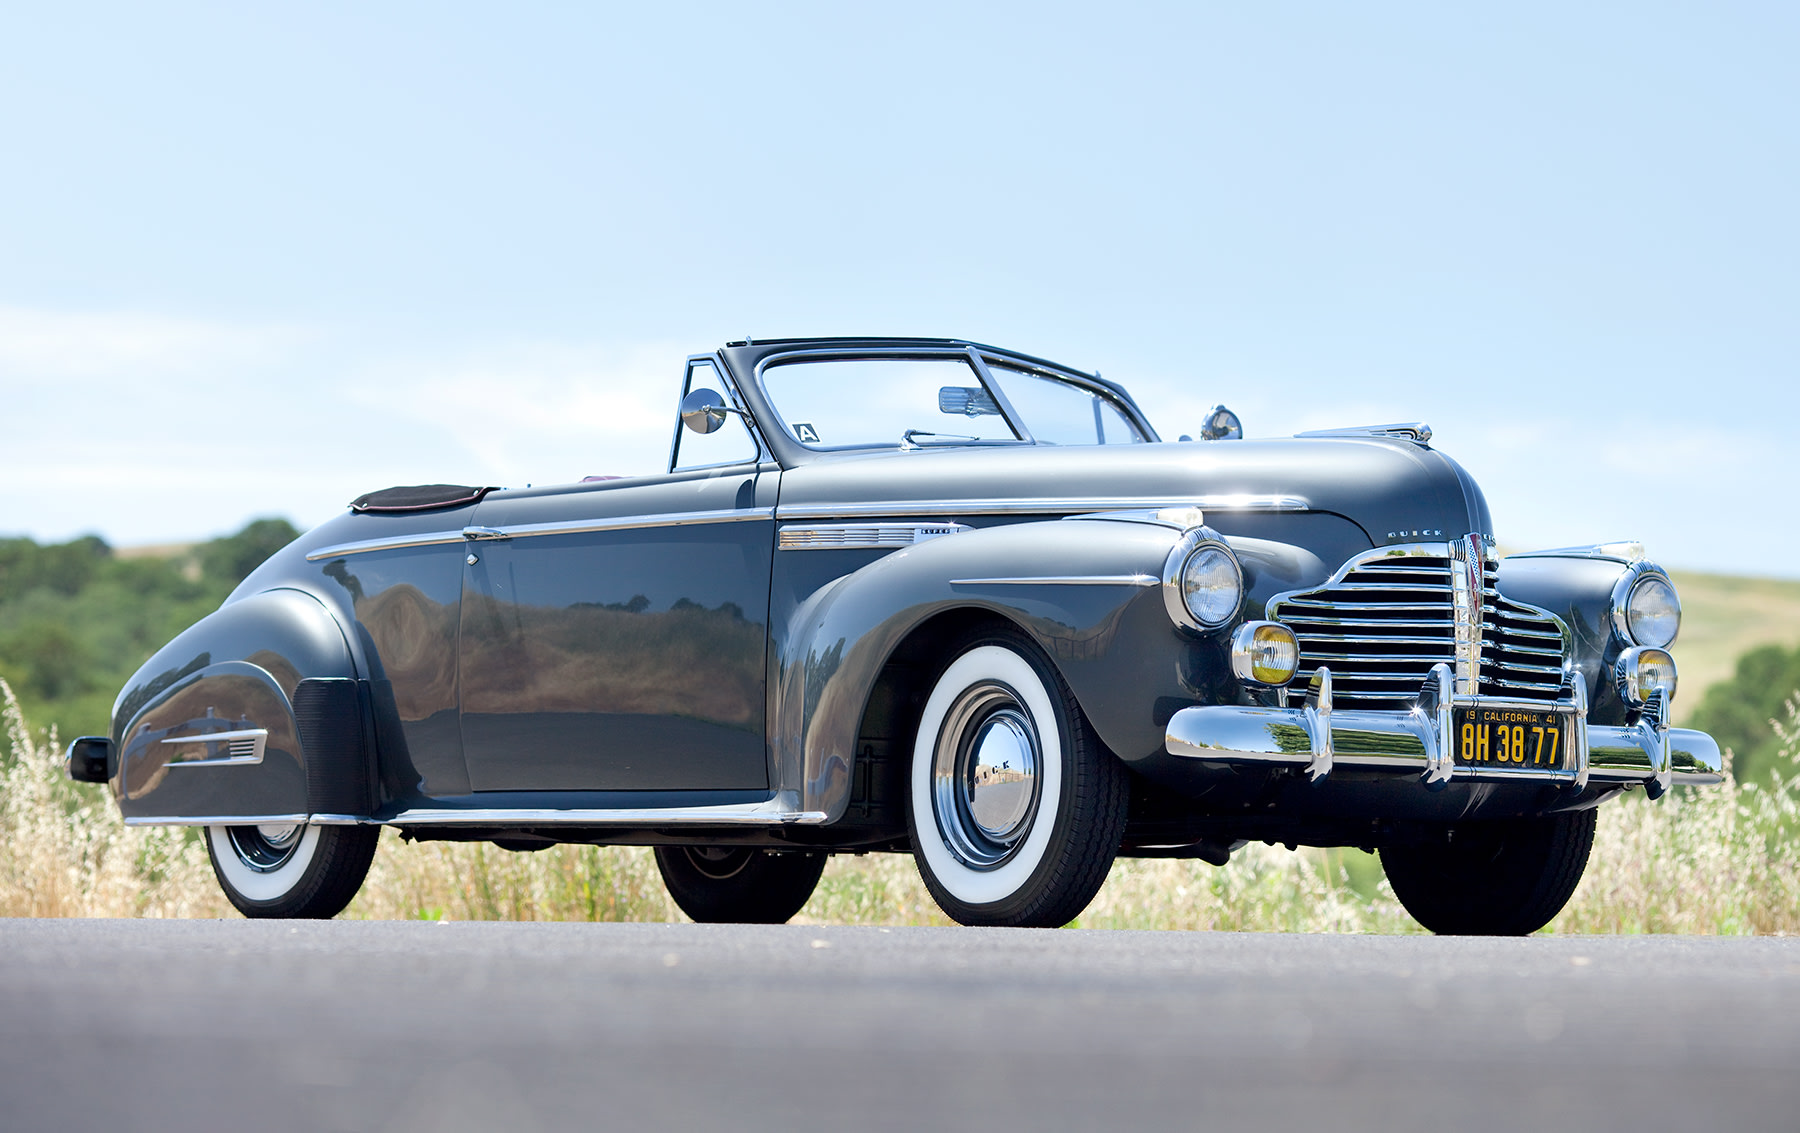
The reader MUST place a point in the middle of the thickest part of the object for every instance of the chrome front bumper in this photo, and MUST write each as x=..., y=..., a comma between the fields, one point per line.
x=1318, y=739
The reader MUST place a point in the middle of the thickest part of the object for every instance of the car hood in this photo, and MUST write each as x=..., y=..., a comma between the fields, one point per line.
x=1396, y=491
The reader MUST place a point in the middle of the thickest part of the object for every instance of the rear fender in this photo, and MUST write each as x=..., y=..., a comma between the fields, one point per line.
x=270, y=674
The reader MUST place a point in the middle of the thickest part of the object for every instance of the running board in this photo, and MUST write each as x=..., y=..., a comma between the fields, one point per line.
x=774, y=812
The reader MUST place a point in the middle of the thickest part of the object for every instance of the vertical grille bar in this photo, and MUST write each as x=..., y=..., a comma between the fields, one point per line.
x=1386, y=617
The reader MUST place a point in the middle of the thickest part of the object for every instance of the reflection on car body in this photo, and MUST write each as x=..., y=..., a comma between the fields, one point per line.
x=932, y=597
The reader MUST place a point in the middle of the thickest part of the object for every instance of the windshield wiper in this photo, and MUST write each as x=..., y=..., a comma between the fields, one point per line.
x=906, y=438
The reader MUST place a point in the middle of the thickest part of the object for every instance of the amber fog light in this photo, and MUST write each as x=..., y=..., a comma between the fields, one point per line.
x=1641, y=671
x=1264, y=653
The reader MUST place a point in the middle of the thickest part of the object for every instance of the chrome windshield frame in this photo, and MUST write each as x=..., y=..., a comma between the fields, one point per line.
x=977, y=358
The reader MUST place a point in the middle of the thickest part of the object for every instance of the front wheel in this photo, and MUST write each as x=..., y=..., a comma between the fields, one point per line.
x=739, y=884
x=1492, y=878
x=1016, y=808
x=291, y=870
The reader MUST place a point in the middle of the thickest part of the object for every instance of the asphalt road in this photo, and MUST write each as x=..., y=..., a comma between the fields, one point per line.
x=521, y=1028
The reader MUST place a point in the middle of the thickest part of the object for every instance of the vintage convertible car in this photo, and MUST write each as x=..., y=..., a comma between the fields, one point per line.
x=923, y=596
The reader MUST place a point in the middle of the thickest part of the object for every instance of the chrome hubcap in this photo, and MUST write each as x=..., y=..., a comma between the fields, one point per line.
x=265, y=848
x=984, y=775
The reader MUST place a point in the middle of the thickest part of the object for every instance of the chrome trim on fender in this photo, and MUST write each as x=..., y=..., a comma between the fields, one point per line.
x=841, y=536
x=530, y=530
x=395, y=543
x=245, y=747
x=1047, y=505
x=1063, y=580
x=630, y=522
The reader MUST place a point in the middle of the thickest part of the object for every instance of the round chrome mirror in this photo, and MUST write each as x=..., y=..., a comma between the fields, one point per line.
x=703, y=410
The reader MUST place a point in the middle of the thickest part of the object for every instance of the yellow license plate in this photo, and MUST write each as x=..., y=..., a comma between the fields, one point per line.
x=1510, y=739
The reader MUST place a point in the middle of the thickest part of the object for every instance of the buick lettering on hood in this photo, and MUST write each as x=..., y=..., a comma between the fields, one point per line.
x=930, y=597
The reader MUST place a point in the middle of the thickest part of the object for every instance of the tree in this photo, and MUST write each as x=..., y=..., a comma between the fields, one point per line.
x=1737, y=712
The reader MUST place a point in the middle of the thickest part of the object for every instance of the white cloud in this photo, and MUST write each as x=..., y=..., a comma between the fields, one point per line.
x=537, y=412
x=44, y=345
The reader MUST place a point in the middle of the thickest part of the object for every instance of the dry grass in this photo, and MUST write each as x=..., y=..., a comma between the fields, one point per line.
x=1720, y=860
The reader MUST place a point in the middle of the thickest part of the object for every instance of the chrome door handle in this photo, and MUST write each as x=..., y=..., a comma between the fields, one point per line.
x=484, y=534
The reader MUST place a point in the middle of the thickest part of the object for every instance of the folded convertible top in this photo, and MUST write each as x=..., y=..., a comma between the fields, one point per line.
x=418, y=497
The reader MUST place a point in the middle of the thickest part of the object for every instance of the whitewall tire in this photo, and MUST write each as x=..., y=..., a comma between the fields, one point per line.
x=291, y=870
x=1014, y=807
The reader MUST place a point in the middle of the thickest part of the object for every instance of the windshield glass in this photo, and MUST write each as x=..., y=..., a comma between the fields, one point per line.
x=858, y=402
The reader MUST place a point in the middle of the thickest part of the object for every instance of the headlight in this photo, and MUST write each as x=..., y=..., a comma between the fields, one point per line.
x=1264, y=653
x=1203, y=585
x=1641, y=671
x=1653, y=612
x=1645, y=609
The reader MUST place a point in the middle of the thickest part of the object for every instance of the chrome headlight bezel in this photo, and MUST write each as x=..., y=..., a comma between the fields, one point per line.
x=1193, y=543
x=1631, y=585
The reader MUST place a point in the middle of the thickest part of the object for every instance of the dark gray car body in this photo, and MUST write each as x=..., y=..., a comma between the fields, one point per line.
x=666, y=658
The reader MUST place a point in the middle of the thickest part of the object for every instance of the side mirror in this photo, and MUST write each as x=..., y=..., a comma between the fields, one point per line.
x=704, y=410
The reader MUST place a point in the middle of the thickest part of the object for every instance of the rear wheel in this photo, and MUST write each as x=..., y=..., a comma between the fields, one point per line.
x=1016, y=808
x=291, y=869
x=1492, y=878
x=739, y=884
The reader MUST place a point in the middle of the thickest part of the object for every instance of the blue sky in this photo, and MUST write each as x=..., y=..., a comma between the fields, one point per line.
x=259, y=260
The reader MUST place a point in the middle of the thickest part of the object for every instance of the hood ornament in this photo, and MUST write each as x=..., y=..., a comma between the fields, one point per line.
x=1418, y=432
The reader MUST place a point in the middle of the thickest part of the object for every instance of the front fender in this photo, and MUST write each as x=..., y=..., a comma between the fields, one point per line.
x=1577, y=587
x=1089, y=593
x=241, y=668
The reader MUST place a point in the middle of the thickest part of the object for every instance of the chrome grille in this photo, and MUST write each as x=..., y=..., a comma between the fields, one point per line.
x=1388, y=616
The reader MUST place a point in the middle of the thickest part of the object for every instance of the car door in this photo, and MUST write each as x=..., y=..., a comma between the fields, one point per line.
x=614, y=634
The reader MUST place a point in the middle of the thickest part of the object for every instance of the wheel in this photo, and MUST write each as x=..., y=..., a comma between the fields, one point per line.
x=1016, y=808
x=289, y=870
x=1493, y=878
x=738, y=884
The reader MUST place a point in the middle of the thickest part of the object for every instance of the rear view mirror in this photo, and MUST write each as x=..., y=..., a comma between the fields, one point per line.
x=967, y=401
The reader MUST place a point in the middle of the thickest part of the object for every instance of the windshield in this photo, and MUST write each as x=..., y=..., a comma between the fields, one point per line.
x=859, y=402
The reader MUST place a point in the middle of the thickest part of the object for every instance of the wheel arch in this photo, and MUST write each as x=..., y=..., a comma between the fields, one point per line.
x=856, y=656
